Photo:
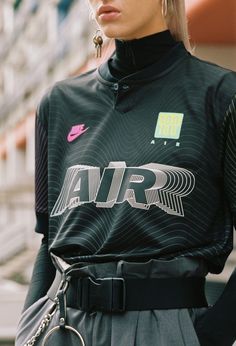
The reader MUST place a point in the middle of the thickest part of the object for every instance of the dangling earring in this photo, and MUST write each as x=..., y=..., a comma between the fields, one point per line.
x=98, y=41
x=164, y=8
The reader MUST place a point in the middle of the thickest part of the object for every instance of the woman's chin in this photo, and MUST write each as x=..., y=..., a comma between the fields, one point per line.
x=111, y=32
x=115, y=34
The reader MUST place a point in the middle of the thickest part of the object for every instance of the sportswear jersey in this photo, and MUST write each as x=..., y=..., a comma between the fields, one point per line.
x=142, y=168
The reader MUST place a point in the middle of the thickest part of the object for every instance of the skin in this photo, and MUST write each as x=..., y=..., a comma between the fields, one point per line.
x=138, y=18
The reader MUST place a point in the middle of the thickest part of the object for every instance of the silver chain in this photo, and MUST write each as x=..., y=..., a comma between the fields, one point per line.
x=43, y=325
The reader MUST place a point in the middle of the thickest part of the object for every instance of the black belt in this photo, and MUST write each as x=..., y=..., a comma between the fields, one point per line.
x=128, y=294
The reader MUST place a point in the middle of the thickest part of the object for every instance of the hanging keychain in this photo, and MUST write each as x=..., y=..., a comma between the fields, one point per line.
x=98, y=41
x=61, y=300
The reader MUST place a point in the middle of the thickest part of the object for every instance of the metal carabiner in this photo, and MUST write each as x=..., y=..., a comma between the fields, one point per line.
x=64, y=284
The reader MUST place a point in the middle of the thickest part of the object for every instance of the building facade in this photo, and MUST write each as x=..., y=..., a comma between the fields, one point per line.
x=41, y=42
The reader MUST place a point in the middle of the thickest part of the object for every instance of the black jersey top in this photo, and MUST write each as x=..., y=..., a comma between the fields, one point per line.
x=140, y=168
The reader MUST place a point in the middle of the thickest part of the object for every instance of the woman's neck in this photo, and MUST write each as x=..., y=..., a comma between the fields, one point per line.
x=133, y=55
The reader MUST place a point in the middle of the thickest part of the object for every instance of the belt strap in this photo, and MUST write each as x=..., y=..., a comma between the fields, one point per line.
x=127, y=294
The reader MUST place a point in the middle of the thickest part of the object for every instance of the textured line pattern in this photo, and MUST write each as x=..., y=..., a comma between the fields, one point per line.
x=229, y=140
x=41, y=168
x=116, y=225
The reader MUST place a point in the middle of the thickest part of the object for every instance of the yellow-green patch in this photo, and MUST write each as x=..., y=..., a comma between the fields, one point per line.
x=169, y=125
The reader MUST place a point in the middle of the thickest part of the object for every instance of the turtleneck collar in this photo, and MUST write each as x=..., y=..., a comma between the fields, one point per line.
x=133, y=55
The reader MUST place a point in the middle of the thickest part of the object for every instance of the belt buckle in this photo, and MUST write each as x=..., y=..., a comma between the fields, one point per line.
x=103, y=294
x=118, y=294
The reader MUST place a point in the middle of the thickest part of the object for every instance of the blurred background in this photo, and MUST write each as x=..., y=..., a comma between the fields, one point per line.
x=41, y=42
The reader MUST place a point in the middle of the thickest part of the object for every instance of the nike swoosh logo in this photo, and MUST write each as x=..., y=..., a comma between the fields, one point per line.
x=76, y=131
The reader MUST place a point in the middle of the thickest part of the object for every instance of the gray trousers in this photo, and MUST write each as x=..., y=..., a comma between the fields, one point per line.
x=131, y=328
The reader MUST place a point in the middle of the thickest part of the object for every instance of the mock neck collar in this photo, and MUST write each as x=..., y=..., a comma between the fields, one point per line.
x=133, y=55
x=158, y=69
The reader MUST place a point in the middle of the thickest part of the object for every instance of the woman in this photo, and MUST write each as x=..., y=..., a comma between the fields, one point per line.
x=135, y=188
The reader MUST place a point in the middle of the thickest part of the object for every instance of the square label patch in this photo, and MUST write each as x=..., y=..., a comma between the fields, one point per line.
x=169, y=125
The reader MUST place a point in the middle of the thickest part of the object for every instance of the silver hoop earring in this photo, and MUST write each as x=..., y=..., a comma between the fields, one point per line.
x=164, y=8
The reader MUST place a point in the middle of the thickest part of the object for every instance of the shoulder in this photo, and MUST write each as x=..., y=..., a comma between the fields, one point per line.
x=220, y=81
x=63, y=89
x=72, y=84
x=80, y=81
x=216, y=72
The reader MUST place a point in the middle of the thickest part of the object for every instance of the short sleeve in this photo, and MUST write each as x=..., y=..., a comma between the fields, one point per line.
x=41, y=166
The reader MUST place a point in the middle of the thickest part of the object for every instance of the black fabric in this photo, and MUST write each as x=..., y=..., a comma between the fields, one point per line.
x=119, y=294
x=121, y=118
x=42, y=277
x=133, y=55
x=161, y=64
x=171, y=293
x=217, y=327
x=41, y=222
x=192, y=214
x=41, y=175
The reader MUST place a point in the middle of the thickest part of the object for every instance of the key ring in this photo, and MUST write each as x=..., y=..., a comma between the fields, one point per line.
x=73, y=330
x=61, y=301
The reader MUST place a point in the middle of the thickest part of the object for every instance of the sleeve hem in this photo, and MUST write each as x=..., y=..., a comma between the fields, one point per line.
x=42, y=223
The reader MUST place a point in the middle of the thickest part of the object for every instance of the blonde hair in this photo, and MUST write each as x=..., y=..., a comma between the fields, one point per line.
x=176, y=20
